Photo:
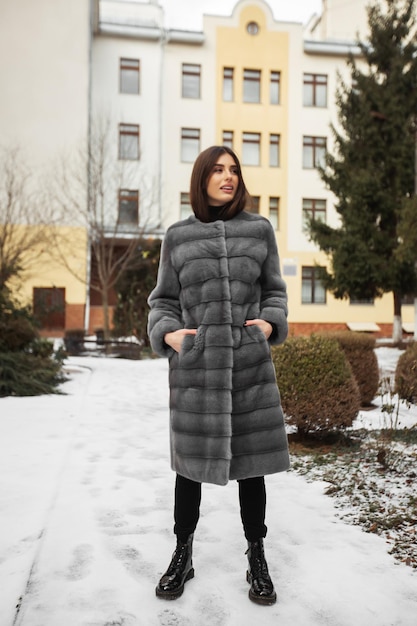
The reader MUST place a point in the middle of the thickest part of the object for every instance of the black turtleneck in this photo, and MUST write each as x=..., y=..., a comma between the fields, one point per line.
x=216, y=212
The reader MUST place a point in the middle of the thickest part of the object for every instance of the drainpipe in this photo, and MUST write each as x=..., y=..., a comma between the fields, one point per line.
x=415, y=193
x=160, y=119
x=89, y=121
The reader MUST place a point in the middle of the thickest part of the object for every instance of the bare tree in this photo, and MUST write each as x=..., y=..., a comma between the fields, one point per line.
x=87, y=194
x=23, y=220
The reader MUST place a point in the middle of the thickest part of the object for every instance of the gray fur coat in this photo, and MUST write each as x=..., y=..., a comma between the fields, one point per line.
x=226, y=420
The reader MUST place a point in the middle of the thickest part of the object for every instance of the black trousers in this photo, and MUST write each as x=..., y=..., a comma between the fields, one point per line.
x=252, y=499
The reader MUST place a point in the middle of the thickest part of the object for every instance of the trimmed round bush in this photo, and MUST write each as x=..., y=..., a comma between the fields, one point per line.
x=318, y=389
x=406, y=374
x=359, y=350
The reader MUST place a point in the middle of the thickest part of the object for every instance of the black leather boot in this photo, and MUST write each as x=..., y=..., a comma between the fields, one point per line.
x=261, y=588
x=171, y=585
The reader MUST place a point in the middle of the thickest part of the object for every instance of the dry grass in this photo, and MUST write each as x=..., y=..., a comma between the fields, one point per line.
x=372, y=477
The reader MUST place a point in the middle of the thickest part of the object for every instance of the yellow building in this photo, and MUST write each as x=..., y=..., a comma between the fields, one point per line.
x=275, y=102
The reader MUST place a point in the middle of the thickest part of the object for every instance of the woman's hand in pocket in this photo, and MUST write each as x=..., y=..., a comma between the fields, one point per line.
x=175, y=339
x=265, y=326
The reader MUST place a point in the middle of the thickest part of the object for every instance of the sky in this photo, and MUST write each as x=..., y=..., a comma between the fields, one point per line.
x=187, y=14
x=86, y=500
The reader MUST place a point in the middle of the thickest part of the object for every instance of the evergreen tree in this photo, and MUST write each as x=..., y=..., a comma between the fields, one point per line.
x=28, y=364
x=371, y=171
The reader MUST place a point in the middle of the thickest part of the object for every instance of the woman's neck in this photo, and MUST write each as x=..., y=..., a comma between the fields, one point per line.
x=216, y=211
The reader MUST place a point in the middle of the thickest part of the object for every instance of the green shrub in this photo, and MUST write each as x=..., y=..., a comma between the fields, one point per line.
x=42, y=347
x=318, y=389
x=16, y=332
x=24, y=374
x=359, y=350
x=28, y=365
x=406, y=374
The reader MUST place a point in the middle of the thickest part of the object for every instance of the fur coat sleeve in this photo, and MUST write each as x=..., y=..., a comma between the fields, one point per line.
x=273, y=305
x=165, y=314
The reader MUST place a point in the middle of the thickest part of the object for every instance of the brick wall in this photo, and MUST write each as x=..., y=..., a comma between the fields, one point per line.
x=306, y=329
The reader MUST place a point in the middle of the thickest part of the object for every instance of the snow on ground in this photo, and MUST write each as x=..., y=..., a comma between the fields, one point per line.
x=86, y=522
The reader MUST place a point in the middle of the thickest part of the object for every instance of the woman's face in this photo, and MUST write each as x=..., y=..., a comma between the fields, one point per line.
x=223, y=181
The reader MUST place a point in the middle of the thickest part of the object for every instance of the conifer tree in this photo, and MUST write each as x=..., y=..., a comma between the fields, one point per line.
x=371, y=171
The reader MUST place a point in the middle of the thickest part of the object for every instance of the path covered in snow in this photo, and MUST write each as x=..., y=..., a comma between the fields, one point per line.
x=86, y=523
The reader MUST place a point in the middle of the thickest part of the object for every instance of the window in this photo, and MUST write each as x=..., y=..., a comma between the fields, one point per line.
x=251, y=148
x=128, y=206
x=190, y=144
x=313, y=210
x=228, y=84
x=353, y=300
x=274, y=150
x=315, y=90
x=251, y=85
x=253, y=204
x=252, y=28
x=274, y=88
x=274, y=211
x=312, y=290
x=228, y=139
x=314, y=151
x=128, y=141
x=49, y=306
x=191, y=75
x=129, y=76
x=185, y=205
x=407, y=299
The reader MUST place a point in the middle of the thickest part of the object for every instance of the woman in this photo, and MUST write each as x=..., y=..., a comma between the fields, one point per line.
x=218, y=304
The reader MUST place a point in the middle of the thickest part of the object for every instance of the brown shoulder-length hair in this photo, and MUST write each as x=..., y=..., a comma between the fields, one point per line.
x=202, y=170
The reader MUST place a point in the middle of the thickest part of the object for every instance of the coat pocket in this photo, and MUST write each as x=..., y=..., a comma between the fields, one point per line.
x=192, y=347
x=255, y=333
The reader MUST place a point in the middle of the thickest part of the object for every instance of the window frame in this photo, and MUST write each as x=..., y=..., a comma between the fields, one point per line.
x=408, y=300
x=273, y=207
x=130, y=196
x=228, y=84
x=274, y=144
x=126, y=130
x=251, y=77
x=313, y=211
x=187, y=73
x=311, y=87
x=125, y=66
x=254, y=205
x=230, y=141
x=187, y=135
x=315, y=284
x=185, y=205
x=248, y=139
x=275, y=83
x=318, y=147
x=361, y=301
